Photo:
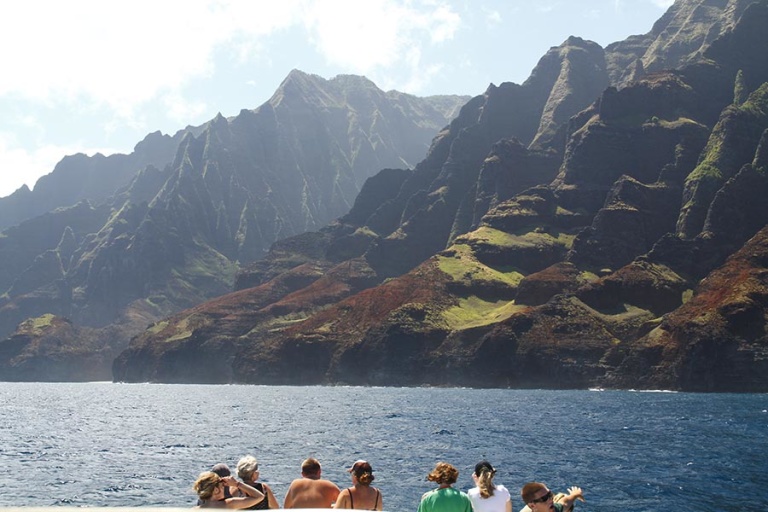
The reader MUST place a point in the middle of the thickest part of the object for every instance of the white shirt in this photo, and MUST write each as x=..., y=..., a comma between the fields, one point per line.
x=496, y=503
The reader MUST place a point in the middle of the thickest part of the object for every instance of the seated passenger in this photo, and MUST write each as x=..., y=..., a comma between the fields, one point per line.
x=538, y=498
x=487, y=496
x=445, y=498
x=311, y=491
x=248, y=471
x=361, y=495
x=222, y=470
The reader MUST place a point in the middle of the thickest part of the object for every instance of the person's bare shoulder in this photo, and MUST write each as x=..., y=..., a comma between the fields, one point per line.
x=342, y=500
x=330, y=484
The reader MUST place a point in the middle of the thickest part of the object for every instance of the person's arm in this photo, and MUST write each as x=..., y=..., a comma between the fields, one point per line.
x=333, y=492
x=508, y=505
x=289, y=497
x=249, y=491
x=421, y=502
x=253, y=495
x=574, y=493
x=468, y=507
x=271, y=500
x=380, y=506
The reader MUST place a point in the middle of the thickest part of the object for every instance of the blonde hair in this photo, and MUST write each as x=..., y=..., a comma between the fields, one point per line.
x=206, y=484
x=247, y=466
x=443, y=473
x=485, y=482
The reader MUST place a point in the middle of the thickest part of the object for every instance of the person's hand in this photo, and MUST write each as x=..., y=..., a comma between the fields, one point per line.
x=576, y=493
x=229, y=481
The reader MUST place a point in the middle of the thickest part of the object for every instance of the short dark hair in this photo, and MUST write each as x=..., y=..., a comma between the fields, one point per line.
x=310, y=466
x=530, y=490
x=221, y=469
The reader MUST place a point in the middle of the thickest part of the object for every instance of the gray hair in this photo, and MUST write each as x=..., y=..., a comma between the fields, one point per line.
x=247, y=466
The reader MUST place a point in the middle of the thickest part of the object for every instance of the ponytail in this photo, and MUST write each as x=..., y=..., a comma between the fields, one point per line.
x=485, y=483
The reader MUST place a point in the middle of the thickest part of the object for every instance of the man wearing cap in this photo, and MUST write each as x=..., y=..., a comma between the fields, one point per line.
x=311, y=491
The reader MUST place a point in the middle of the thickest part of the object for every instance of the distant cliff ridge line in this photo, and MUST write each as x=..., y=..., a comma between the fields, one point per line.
x=128, y=239
x=599, y=225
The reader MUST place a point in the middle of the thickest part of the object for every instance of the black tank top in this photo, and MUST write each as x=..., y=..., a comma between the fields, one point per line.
x=263, y=504
x=352, y=501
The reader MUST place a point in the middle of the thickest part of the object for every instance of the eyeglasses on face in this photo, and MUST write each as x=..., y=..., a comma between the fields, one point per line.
x=544, y=498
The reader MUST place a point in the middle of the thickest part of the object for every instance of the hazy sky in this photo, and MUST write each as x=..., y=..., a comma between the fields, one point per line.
x=87, y=76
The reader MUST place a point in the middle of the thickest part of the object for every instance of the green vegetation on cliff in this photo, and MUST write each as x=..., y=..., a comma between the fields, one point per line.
x=460, y=263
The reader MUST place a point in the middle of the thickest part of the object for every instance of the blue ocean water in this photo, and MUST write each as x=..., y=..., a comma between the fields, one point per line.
x=105, y=444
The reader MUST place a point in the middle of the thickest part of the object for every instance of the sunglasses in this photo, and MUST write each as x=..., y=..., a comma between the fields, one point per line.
x=544, y=498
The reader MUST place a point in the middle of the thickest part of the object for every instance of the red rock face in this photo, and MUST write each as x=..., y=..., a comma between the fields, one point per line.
x=717, y=340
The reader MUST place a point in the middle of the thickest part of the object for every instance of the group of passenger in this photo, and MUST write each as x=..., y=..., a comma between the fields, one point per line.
x=489, y=497
x=219, y=489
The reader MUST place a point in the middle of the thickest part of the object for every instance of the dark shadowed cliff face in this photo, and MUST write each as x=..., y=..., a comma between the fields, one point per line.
x=51, y=349
x=560, y=263
x=717, y=341
x=573, y=74
x=447, y=194
x=731, y=145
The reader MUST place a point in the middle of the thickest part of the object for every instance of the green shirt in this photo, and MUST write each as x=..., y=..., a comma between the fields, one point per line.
x=447, y=499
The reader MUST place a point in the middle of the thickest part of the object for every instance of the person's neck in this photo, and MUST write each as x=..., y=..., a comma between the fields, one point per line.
x=444, y=486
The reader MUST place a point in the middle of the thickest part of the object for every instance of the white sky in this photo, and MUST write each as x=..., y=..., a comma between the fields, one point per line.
x=87, y=76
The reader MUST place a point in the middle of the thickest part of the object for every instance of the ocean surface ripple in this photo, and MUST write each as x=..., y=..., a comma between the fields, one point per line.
x=105, y=444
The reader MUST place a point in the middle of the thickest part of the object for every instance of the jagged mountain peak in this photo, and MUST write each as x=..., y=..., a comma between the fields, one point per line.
x=302, y=87
x=496, y=264
x=555, y=55
x=169, y=233
x=529, y=238
x=341, y=91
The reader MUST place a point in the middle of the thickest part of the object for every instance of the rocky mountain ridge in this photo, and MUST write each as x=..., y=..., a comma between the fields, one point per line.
x=549, y=238
x=172, y=236
x=575, y=257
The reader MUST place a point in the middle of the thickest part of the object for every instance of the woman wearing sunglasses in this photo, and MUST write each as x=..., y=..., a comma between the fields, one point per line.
x=538, y=498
